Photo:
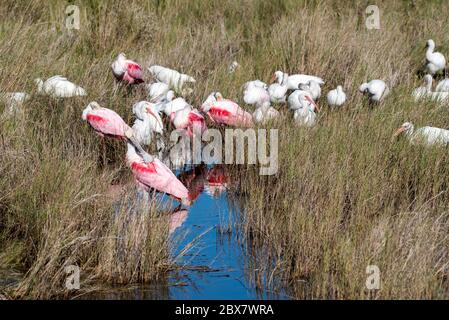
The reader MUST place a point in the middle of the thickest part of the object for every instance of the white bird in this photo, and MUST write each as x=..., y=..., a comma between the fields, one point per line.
x=13, y=101
x=443, y=86
x=148, y=123
x=278, y=90
x=264, y=113
x=300, y=99
x=313, y=87
x=425, y=135
x=255, y=94
x=426, y=93
x=60, y=87
x=305, y=116
x=422, y=91
x=157, y=91
x=336, y=97
x=435, y=61
x=377, y=90
x=255, y=83
x=295, y=80
x=173, y=104
x=173, y=78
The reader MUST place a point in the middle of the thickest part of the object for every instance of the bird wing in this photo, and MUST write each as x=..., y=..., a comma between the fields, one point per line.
x=107, y=122
x=134, y=70
x=158, y=176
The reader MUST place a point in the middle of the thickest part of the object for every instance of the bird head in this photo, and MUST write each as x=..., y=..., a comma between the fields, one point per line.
x=91, y=106
x=363, y=87
x=218, y=96
x=406, y=127
x=430, y=43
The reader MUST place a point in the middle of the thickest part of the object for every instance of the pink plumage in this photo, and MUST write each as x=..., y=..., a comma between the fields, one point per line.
x=230, y=113
x=127, y=70
x=156, y=175
x=106, y=122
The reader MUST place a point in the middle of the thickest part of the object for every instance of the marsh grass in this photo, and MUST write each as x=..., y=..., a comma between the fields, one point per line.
x=345, y=196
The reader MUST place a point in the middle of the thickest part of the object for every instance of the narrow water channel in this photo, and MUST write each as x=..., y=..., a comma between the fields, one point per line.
x=207, y=247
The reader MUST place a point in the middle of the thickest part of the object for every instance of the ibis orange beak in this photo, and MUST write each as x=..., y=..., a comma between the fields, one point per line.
x=398, y=132
x=273, y=79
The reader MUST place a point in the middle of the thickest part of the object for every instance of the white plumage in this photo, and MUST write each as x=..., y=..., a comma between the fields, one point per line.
x=313, y=88
x=13, y=101
x=295, y=80
x=435, y=61
x=425, y=135
x=376, y=90
x=265, y=113
x=157, y=91
x=255, y=93
x=336, y=97
x=278, y=90
x=60, y=87
x=173, y=78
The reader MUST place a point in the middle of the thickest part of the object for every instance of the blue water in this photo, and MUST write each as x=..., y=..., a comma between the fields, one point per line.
x=216, y=265
x=218, y=249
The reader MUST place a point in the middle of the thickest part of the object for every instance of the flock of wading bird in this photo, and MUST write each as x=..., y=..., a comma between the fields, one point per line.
x=299, y=91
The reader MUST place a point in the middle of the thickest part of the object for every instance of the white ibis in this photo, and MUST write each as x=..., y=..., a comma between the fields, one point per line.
x=59, y=87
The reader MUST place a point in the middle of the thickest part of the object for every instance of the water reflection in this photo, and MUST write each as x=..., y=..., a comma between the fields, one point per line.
x=214, y=260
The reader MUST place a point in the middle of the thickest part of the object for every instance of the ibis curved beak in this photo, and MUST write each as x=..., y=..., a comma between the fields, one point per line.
x=273, y=79
x=398, y=132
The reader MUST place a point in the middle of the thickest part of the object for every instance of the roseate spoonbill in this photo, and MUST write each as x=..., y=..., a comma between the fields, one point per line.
x=126, y=70
x=295, y=80
x=225, y=111
x=13, y=101
x=265, y=113
x=157, y=91
x=420, y=92
x=147, y=124
x=278, y=90
x=156, y=175
x=254, y=94
x=377, y=90
x=187, y=119
x=218, y=180
x=194, y=180
x=59, y=87
x=107, y=122
x=300, y=99
x=173, y=78
x=435, y=61
x=336, y=97
x=313, y=88
x=425, y=135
